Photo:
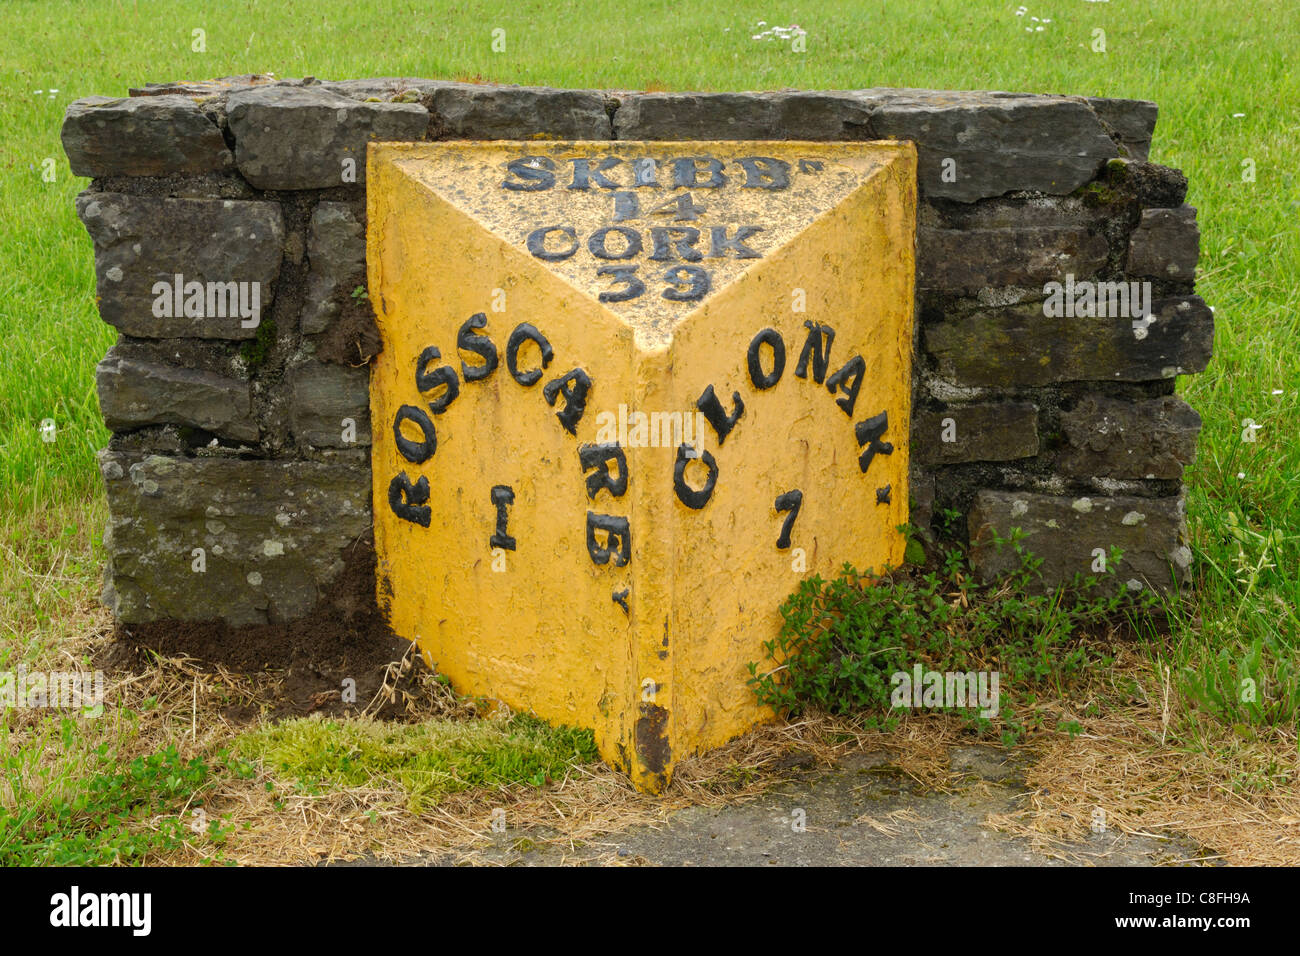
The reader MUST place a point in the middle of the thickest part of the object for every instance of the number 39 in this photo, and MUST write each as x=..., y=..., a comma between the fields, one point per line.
x=683, y=283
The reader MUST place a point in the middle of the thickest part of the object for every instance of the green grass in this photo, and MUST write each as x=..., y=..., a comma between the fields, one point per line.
x=426, y=761
x=1203, y=61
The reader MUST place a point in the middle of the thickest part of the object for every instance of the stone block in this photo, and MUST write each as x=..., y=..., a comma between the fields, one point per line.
x=970, y=261
x=984, y=431
x=322, y=397
x=230, y=248
x=1021, y=346
x=1165, y=245
x=997, y=142
x=1066, y=534
x=336, y=256
x=134, y=393
x=1112, y=438
x=142, y=136
x=473, y=111
x=272, y=533
x=1131, y=122
x=289, y=137
x=738, y=116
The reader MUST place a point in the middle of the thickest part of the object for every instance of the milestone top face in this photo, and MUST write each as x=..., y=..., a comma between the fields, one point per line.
x=650, y=230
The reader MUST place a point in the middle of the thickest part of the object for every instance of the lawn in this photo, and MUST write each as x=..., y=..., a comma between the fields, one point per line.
x=1223, y=73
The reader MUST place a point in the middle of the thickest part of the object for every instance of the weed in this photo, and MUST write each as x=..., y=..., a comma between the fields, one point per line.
x=841, y=641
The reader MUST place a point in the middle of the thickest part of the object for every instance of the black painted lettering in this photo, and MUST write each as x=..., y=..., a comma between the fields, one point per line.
x=868, y=433
x=763, y=172
x=618, y=539
x=789, y=502
x=584, y=175
x=712, y=409
x=525, y=332
x=574, y=388
x=632, y=286
x=598, y=457
x=427, y=380
x=686, y=173
x=681, y=207
x=675, y=242
x=818, y=347
x=644, y=171
x=503, y=496
x=596, y=243
x=686, y=283
x=537, y=243
x=420, y=451
x=408, y=500
x=480, y=345
x=691, y=497
x=626, y=206
x=722, y=244
x=532, y=174
x=849, y=381
x=772, y=338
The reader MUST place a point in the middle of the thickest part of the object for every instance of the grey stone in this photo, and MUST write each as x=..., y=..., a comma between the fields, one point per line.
x=1165, y=245
x=1014, y=213
x=472, y=111
x=1148, y=183
x=336, y=253
x=387, y=89
x=1111, y=438
x=320, y=398
x=1131, y=122
x=298, y=137
x=142, y=240
x=920, y=484
x=999, y=142
x=1022, y=346
x=968, y=261
x=215, y=87
x=135, y=393
x=736, y=116
x=144, y=136
x=1065, y=532
x=273, y=535
x=986, y=431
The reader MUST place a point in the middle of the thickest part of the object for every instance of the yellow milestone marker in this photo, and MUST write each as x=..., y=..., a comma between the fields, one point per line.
x=630, y=395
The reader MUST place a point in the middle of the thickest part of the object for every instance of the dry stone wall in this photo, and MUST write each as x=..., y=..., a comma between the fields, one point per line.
x=1054, y=305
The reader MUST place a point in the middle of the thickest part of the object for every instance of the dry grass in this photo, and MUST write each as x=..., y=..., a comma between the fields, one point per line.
x=1236, y=796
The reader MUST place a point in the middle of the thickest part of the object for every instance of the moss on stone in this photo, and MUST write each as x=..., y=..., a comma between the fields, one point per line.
x=1096, y=194
x=255, y=350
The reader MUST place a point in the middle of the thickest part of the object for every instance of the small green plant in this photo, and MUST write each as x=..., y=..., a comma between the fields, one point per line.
x=843, y=641
x=123, y=815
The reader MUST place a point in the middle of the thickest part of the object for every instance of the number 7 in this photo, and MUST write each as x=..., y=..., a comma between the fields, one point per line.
x=791, y=502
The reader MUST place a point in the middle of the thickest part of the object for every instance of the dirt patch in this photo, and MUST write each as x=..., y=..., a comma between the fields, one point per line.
x=303, y=663
x=352, y=338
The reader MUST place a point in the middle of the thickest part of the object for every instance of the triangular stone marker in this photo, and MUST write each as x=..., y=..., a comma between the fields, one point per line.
x=631, y=394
